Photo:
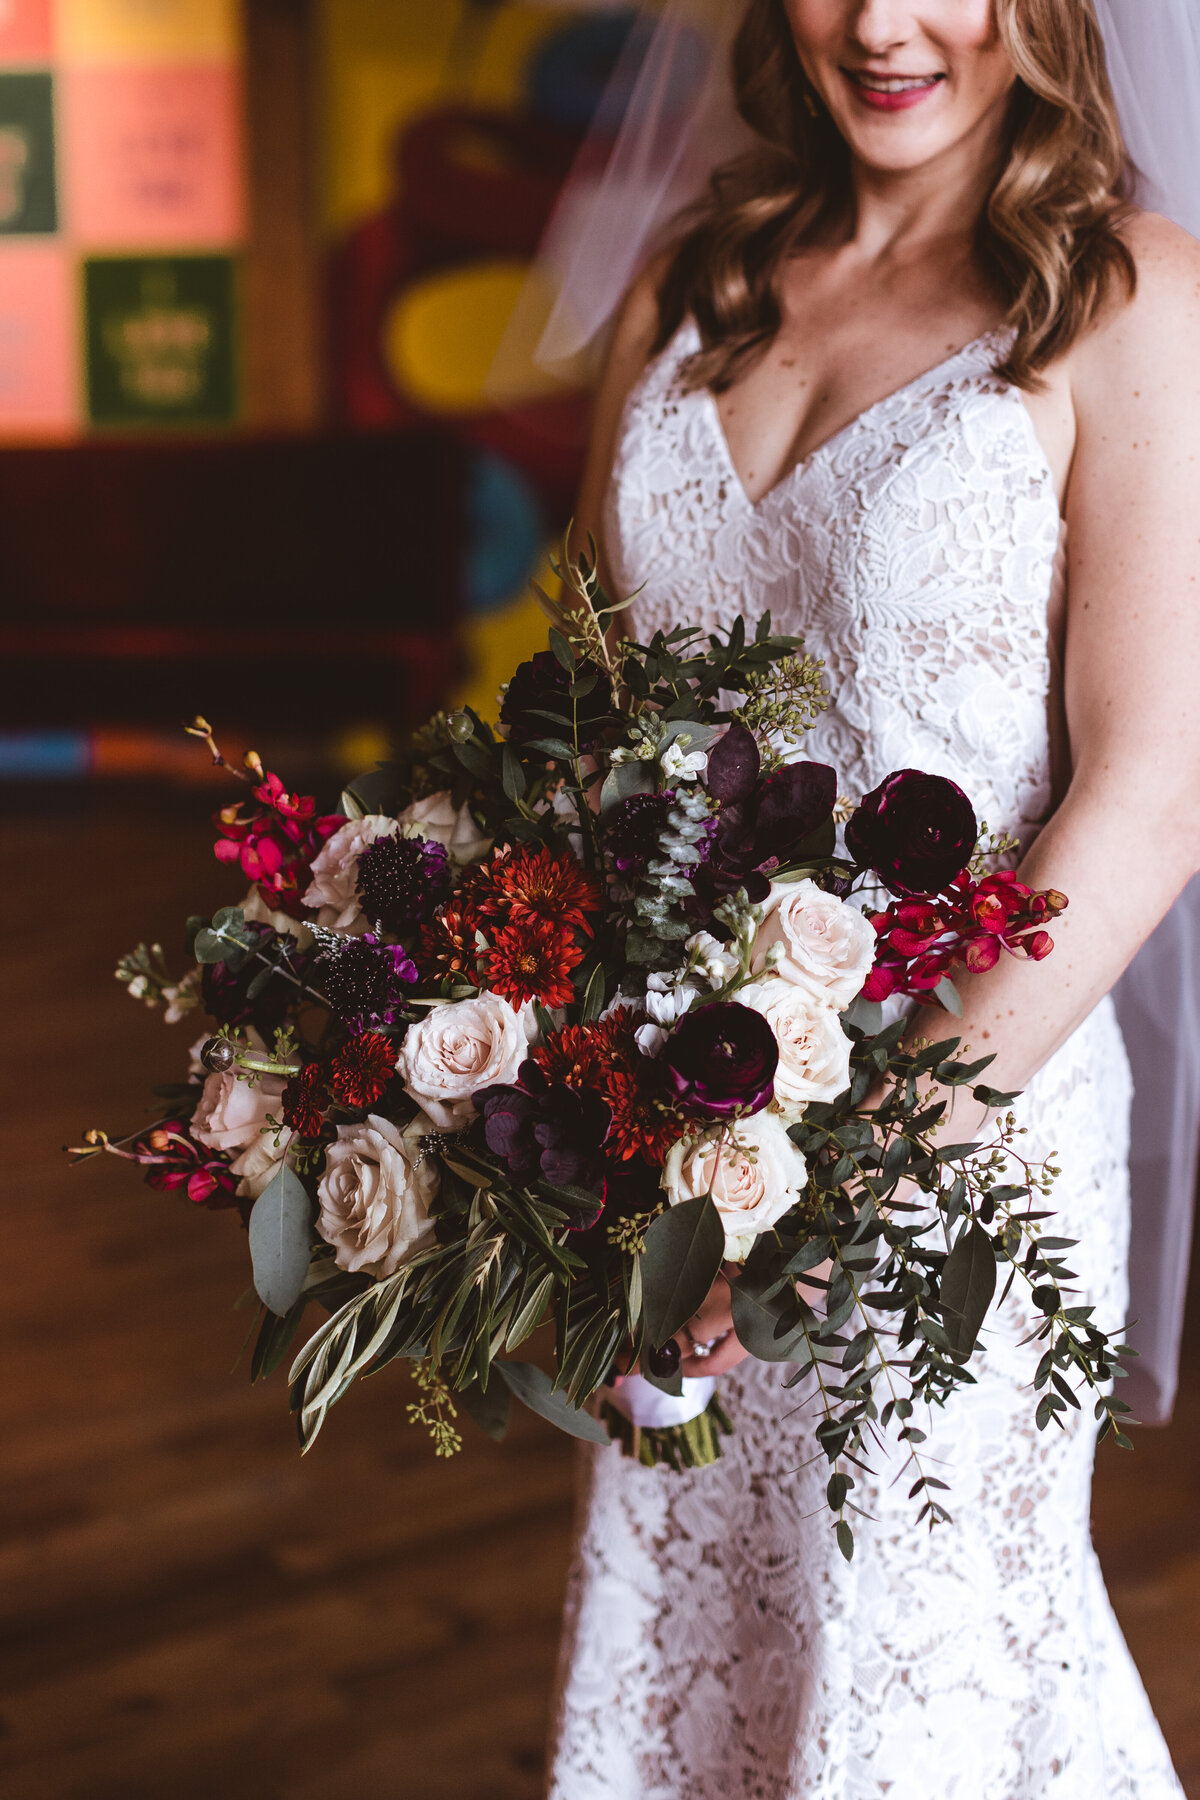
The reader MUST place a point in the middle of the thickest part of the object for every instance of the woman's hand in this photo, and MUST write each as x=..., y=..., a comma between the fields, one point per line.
x=713, y=1324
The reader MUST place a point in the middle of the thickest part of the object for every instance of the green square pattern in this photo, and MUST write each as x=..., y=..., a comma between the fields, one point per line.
x=161, y=340
x=28, y=196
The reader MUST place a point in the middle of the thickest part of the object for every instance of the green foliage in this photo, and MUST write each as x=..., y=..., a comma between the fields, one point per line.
x=281, y=1238
x=681, y=1260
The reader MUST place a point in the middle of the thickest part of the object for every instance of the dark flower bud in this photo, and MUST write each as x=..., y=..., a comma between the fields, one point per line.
x=917, y=832
x=721, y=1061
x=217, y=1055
x=665, y=1361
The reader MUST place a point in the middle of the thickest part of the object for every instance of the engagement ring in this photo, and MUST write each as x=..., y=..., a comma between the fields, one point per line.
x=706, y=1349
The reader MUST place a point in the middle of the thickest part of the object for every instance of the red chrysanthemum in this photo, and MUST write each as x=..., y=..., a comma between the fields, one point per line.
x=304, y=1101
x=525, y=882
x=446, y=945
x=362, y=1069
x=605, y=1056
x=532, y=959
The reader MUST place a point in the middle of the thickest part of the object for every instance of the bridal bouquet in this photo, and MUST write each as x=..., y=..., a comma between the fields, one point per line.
x=550, y=1023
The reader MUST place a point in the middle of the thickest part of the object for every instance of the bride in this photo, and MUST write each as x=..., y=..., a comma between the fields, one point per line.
x=916, y=378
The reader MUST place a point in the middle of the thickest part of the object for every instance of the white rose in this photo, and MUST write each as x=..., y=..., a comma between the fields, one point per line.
x=753, y=1180
x=459, y=1048
x=814, y=1051
x=828, y=945
x=231, y=1112
x=437, y=817
x=334, y=886
x=258, y=1165
x=375, y=1195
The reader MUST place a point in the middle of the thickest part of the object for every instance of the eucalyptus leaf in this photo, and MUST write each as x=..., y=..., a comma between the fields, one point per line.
x=968, y=1288
x=280, y=1240
x=757, y=1319
x=947, y=994
x=684, y=1249
x=623, y=781
x=490, y=1407
x=534, y=1389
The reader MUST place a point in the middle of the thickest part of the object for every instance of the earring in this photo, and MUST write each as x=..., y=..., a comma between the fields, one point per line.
x=810, y=103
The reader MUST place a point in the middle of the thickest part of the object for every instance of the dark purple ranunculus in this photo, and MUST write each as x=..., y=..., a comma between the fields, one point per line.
x=762, y=823
x=540, y=686
x=721, y=1060
x=402, y=881
x=540, y=1130
x=225, y=988
x=917, y=832
x=366, y=982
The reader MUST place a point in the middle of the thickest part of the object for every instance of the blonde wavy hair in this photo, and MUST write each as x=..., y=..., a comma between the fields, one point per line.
x=1049, y=237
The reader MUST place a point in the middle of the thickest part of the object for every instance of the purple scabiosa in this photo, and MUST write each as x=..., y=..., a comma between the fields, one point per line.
x=402, y=881
x=633, y=835
x=367, y=982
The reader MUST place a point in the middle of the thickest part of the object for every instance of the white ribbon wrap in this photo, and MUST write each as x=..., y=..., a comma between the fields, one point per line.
x=647, y=1406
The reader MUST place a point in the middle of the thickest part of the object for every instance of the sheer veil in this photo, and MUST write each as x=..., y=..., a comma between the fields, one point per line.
x=667, y=121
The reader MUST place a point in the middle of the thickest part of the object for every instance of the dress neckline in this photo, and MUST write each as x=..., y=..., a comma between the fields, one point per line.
x=989, y=340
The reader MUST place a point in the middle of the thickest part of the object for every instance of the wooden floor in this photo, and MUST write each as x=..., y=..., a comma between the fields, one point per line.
x=188, y=1611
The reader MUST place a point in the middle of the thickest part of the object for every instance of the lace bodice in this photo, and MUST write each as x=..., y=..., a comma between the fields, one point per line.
x=717, y=1645
x=916, y=550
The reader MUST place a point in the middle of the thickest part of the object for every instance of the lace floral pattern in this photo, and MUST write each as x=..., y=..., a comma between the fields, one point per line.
x=717, y=1646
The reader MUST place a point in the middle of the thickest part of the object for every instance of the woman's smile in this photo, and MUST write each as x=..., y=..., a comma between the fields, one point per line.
x=891, y=93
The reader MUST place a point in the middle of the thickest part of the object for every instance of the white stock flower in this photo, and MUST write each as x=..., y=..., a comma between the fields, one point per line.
x=437, y=817
x=814, y=1051
x=458, y=1048
x=334, y=886
x=828, y=945
x=753, y=1171
x=375, y=1195
x=678, y=765
x=715, y=961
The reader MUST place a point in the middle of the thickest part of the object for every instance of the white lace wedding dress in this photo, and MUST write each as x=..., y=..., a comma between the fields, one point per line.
x=717, y=1645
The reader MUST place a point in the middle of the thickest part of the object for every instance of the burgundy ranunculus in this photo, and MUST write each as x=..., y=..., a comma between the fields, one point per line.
x=916, y=832
x=762, y=823
x=540, y=686
x=540, y=1130
x=721, y=1060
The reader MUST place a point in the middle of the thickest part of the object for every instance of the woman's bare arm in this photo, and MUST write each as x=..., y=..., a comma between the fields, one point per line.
x=1126, y=838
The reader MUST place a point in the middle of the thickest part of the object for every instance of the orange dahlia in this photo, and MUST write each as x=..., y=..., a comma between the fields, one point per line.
x=605, y=1056
x=532, y=959
x=527, y=881
x=446, y=945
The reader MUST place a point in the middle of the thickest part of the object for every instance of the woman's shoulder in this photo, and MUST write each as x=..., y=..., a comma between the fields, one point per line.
x=1153, y=333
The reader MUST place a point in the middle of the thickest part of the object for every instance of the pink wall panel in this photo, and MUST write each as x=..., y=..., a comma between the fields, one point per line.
x=26, y=31
x=38, y=333
x=153, y=155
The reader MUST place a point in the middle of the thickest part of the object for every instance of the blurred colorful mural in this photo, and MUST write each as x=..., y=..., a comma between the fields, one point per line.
x=121, y=214
x=185, y=183
x=447, y=133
